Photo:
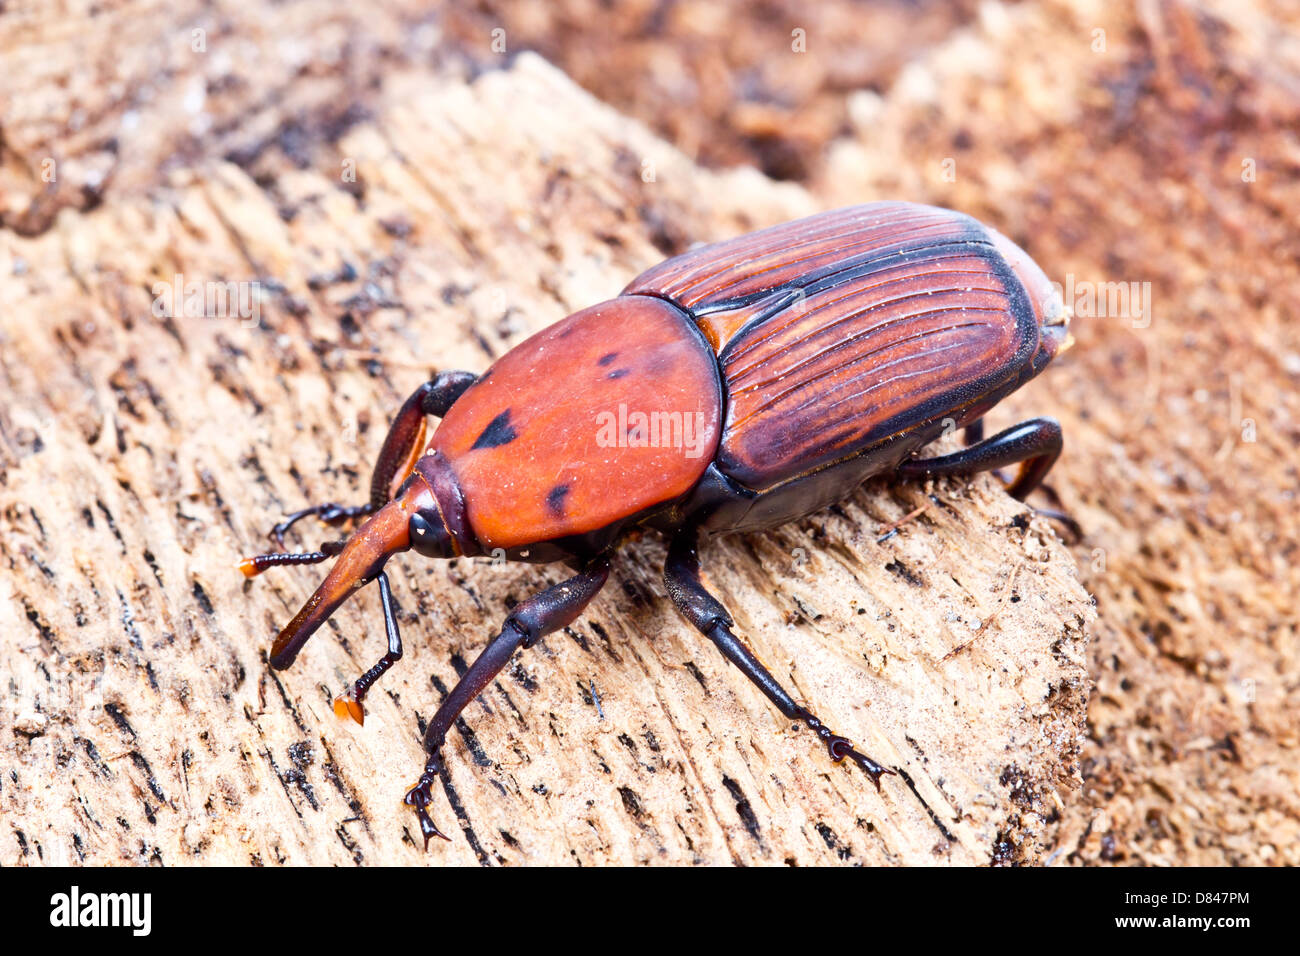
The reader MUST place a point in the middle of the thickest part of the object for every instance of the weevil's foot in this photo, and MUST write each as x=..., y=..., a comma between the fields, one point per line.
x=347, y=705
x=1057, y=513
x=277, y=532
x=841, y=747
x=420, y=796
x=428, y=829
x=329, y=513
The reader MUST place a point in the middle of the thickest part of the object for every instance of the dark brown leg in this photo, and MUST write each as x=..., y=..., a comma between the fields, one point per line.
x=401, y=449
x=405, y=438
x=349, y=704
x=330, y=514
x=554, y=608
x=973, y=434
x=1034, y=445
x=710, y=618
x=403, y=445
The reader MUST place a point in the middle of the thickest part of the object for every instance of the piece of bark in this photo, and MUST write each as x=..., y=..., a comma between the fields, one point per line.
x=143, y=456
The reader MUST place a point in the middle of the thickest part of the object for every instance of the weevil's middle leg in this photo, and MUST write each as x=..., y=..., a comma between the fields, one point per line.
x=710, y=618
x=552, y=609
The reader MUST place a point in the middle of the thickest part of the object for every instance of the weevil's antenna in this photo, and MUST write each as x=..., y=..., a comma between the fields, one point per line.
x=252, y=567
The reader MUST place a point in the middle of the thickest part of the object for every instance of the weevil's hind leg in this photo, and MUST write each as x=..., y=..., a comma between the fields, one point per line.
x=552, y=609
x=1034, y=445
x=710, y=618
x=350, y=703
x=402, y=447
x=973, y=434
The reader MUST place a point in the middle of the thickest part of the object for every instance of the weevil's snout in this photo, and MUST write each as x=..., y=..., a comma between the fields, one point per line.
x=388, y=531
x=1050, y=311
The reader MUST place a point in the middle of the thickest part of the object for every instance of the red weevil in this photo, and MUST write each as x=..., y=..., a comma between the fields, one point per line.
x=793, y=363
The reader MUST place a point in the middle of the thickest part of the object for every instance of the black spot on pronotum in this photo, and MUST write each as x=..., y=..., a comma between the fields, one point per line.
x=555, y=499
x=617, y=373
x=497, y=433
x=607, y=358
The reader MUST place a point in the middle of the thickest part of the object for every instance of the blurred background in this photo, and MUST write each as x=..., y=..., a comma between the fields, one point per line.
x=1146, y=154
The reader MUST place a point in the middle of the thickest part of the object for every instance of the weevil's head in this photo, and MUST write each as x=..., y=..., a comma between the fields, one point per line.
x=1050, y=312
x=412, y=520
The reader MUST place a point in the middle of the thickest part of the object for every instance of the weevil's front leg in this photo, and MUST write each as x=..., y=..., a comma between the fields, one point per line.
x=552, y=609
x=330, y=514
x=702, y=609
x=402, y=447
x=349, y=704
x=405, y=439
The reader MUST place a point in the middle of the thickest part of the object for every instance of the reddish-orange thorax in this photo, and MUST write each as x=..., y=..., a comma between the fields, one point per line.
x=603, y=416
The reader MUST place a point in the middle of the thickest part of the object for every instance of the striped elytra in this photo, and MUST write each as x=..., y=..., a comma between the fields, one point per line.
x=838, y=331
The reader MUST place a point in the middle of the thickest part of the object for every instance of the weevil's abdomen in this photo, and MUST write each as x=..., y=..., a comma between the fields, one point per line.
x=849, y=331
x=592, y=421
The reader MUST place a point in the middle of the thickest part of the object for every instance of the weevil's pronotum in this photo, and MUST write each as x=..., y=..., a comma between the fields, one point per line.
x=789, y=365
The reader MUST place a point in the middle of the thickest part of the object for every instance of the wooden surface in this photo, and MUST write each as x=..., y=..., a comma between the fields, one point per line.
x=143, y=456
